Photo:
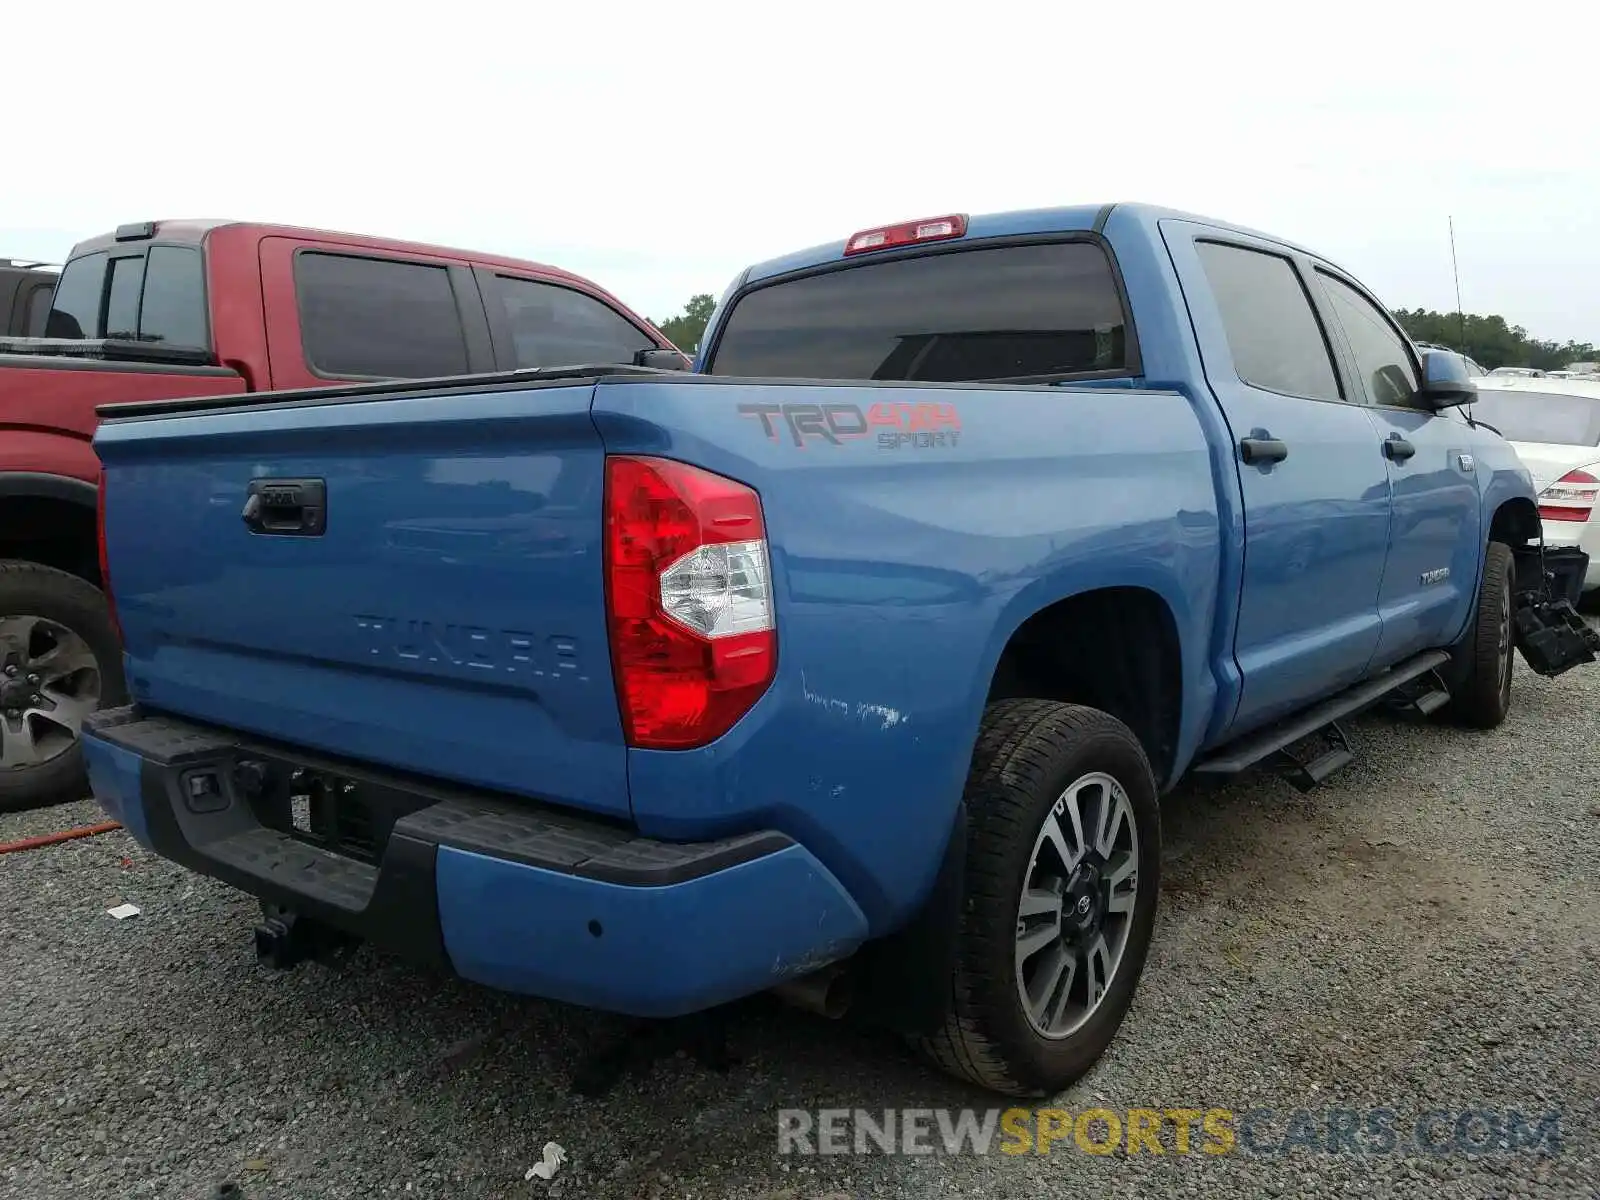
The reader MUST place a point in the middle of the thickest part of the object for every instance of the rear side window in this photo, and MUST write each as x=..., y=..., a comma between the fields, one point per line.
x=75, y=308
x=1010, y=312
x=1380, y=352
x=174, y=308
x=122, y=297
x=378, y=317
x=1274, y=336
x=555, y=326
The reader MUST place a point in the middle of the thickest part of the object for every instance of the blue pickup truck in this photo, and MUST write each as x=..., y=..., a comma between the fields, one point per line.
x=850, y=665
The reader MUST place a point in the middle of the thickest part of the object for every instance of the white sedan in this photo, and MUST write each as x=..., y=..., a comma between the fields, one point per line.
x=1554, y=426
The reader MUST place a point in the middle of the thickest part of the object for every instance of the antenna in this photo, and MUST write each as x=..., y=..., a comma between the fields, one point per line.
x=1456, y=270
x=1461, y=315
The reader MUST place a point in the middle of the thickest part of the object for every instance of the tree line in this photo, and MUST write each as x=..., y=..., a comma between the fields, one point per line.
x=684, y=330
x=1488, y=340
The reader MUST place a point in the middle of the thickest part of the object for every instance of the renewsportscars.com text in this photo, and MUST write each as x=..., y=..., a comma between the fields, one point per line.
x=1177, y=1131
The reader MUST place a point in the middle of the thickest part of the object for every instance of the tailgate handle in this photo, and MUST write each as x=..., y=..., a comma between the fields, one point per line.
x=287, y=507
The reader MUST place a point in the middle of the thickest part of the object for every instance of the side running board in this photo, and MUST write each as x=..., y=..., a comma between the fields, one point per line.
x=1319, y=718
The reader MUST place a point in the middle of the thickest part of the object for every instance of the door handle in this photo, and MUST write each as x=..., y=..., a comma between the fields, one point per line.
x=1262, y=450
x=1397, y=448
x=286, y=507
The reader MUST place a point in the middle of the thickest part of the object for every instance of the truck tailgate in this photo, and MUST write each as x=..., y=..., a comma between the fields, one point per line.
x=448, y=617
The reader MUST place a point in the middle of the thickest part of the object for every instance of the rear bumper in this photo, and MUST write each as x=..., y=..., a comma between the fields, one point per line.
x=508, y=894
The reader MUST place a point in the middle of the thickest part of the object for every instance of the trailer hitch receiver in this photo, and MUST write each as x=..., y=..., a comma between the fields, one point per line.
x=285, y=939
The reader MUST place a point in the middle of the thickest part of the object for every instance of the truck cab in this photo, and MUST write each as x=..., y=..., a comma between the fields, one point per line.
x=161, y=309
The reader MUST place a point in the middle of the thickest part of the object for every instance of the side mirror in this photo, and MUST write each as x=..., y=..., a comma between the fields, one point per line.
x=1446, y=382
x=661, y=360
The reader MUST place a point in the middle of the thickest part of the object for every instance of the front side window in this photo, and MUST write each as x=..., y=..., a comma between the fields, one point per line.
x=174, y=308
x=1004, y=312
x=1273, y=333
x=1382, y=359
x=75, y=307
x=378, y=317
x=554, y=326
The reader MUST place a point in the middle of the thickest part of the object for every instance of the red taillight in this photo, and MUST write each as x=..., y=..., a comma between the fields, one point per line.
x=105, y=564
x=935, y=229
x=1570, y=498
x=688, y=600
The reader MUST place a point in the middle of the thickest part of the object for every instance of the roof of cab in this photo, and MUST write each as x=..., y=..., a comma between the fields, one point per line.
x=196, y=231
x=1021, y=223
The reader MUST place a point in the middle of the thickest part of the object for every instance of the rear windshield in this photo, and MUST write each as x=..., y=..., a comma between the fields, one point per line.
x=1010, y=312
x=153, y=294
x=1541, y=416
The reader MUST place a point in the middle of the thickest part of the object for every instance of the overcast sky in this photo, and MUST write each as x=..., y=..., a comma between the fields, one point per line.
x=660, y=148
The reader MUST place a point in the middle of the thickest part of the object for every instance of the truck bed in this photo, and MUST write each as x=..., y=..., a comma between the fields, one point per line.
x=450, y=620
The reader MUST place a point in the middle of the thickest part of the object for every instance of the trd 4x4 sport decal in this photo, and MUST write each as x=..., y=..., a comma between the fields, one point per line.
x=895, y=425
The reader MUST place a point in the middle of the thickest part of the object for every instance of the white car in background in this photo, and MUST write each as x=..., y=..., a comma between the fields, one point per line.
x=1554, y=426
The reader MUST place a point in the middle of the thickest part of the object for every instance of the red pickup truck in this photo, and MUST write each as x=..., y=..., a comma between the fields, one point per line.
x=168, y=309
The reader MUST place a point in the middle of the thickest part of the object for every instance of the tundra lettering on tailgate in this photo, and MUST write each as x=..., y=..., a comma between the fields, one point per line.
x=473, y=647
x=896, y=424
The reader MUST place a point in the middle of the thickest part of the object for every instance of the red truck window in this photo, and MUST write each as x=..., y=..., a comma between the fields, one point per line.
x=173, y=310
x=122, y=300
x=156, y=294
x=378, y=317
x=75, y=310
x=555, y=326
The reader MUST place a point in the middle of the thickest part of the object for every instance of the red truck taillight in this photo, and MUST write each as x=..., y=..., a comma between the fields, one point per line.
x=688, y=601
x=1570, y=498
x=105, y=564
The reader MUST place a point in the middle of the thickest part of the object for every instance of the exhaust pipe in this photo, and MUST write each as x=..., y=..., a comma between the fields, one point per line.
x=828, y=992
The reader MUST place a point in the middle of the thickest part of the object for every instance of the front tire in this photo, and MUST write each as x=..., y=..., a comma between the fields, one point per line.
x=1062, y=876
x=1484, y=661
x=60, y=660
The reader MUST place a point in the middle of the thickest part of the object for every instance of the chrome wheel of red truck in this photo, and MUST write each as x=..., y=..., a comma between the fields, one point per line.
x=1062, y=876
x=59, y=662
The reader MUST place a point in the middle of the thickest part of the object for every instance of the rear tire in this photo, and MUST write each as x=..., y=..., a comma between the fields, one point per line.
x=1485, y=659
x=1024, y=1016
x=48, y=621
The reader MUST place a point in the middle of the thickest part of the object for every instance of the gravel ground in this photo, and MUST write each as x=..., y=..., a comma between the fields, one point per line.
x=1421, y=933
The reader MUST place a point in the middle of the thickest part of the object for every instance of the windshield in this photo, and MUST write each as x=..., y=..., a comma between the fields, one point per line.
x=999, y=313
x=1541, y=416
